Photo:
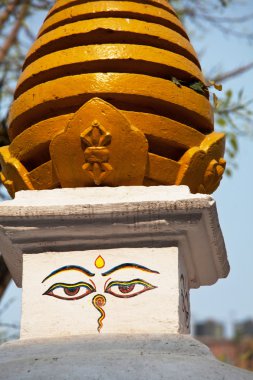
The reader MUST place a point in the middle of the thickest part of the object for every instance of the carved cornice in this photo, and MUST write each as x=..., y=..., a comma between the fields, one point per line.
x=102, y=218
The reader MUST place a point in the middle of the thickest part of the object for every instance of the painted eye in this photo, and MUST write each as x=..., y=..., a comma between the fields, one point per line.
x=70, y=292
x=128, y=289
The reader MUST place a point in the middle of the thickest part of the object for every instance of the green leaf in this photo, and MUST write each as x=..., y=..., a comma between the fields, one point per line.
x=198, y=86
x=228, y=172
x=233, y=141
x=218, y=86
x=224, y=3
x=222, y=122
x=215, y=101
x=176, y=82
x=230, y=153
x=240, y=95
x=215, y=85
x=229, y=94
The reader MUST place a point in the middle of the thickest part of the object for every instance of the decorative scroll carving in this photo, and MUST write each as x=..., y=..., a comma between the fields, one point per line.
x=185, y=299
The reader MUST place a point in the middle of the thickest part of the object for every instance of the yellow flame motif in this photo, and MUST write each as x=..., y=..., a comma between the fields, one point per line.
x=99, y=301
x=100, y=262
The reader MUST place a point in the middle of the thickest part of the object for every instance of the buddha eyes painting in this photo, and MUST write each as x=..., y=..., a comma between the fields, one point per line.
x=110, y=283
x=70, y=292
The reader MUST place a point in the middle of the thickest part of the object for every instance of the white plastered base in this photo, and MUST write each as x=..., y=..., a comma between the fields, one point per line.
x=163, y=309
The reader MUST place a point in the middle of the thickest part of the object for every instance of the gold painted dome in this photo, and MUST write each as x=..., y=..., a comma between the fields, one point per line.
x=107, y=97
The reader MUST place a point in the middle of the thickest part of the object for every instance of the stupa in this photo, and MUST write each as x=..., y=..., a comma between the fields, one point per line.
x=111, y=121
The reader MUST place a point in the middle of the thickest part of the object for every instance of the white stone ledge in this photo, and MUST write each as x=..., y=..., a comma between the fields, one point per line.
x=64, y=220
x=125, y=357
x=102, y=195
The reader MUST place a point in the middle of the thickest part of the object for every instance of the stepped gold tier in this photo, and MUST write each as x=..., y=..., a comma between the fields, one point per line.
x=112, y=94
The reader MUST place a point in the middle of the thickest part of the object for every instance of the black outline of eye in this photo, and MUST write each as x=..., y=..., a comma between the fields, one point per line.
x=136, y=281
x=62, y=285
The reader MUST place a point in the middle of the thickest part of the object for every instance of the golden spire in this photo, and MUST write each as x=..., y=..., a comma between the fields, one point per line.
x=108, y=97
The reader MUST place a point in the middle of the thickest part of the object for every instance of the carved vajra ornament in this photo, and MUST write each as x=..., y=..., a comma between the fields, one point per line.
x=96, y=138
x=92, y=108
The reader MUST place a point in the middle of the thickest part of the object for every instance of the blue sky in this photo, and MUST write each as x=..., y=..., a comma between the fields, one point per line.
x=229, y=300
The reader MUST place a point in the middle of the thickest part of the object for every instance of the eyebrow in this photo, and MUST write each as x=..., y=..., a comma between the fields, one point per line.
x=68, y=268
x=129, y=265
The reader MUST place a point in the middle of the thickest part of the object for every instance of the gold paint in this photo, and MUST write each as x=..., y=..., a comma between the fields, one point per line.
x=132, y=28
x=122, y=156
x=14, y=176
x=96, y=138
x=28, y=144
x=69, y=91
x=100, y=262
x=202, y=168
x=108, y=9
x=99, y=301
x=126, y=55
x=90, y=110
x=63, y=3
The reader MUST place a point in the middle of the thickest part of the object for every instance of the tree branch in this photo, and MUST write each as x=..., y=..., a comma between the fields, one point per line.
x=9, y=9
x=13, y=34
x=234, y=73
